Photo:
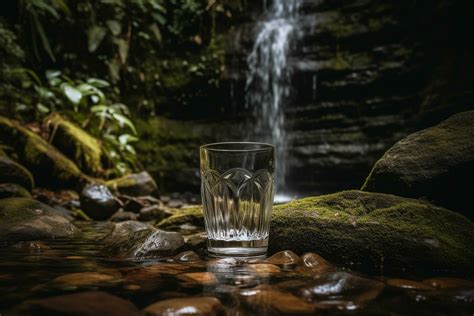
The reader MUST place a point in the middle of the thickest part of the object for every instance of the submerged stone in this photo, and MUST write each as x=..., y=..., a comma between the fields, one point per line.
x=84, y=303
x=135, y=184
x=286, y=257
x=186, y=306
x=187, y=256
x=267, y=301
x=13, y=190
x=13, y=172
x=409, y=284
x=374, y=231
x=436, y=163
x=23, y=219
x=449, y=283
x=315, y=263
x=343, y=290
x=199, y=277
x=98, y=202
x=83, y=278
x=136, y=239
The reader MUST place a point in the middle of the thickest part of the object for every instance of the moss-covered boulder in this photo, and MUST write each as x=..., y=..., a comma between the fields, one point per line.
x=135, y=184
x=48, y=165
x=13, y=190
x=24, y=219
x=13, y=172
x=436, y=163
x=374, y=230
x=81, y=147
x=191, y=215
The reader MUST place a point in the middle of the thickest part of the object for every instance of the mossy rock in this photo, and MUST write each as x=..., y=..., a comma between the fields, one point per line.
x=372, y=231
x=24, y=219
x=49, y=166
x=81, y=147
x=191, y=215
x=375, y=231
x=13, y=190
x=436, y=163
x=13, y=172
x=135, y=184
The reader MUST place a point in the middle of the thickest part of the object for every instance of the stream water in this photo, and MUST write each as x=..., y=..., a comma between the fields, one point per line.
x=281, y=285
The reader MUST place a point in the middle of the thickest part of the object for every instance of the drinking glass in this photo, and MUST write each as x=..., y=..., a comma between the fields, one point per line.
x=237, y=180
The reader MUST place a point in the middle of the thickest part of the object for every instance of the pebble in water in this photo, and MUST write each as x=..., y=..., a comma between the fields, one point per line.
x=263, y=268
x=268, y=300
x=286, y=257
x=449, y=283
x=199, y=277
x=186, y=306
x=342, y=290
x=315, y=264
x=84, y=303
x=83, y=278
x=409, y=284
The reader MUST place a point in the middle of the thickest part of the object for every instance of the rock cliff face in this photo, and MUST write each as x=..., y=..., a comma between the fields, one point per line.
x=364, y=74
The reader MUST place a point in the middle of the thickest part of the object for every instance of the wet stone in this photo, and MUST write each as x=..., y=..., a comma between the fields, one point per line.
x=199, y=277
x=154, y=212
x=197, y=241
x=351, y=291
x=449, y=283
x=286, y=257
x=84, y=303
x=32, y=246
x=122, y=216
x=186, y=306
x=83, y=278
x=187, y=256
x=409, y=284
x=263, y=268
x=97, y=202
x=315, y=263
x=267, y=301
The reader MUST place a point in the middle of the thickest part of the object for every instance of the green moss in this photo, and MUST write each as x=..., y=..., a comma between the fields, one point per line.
x=84, y=149
x=48, y=165
x=374, y=231
x=11, y=171
x=192, y=215
x=13, y=190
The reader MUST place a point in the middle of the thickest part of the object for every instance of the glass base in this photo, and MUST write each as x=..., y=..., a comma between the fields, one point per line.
x=237, y=248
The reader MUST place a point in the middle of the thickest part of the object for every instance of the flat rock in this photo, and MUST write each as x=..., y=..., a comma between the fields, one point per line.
x=436, y=163
x=84, y=303
x=23, y=219
x=136, y=239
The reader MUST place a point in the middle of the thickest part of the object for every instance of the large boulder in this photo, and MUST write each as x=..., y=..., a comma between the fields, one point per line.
x=49, y=166
x=374, y=231
x=436, y=163
x=81, y=147
x=134, y=239
x=135, y=184
x=24, y=219
x=98, y=202
x=13, y=172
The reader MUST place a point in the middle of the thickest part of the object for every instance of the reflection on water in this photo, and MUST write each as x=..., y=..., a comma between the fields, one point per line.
x=283, y=284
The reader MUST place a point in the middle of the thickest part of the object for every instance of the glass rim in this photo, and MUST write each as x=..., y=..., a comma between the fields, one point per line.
x=262, y=147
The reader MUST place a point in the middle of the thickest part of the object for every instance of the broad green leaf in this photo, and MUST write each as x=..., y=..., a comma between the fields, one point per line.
x=95, y=35
x=72, y=93
x=158, y=17
x=42, y=108
x=124, y=121
x=156, y=31
x=98, y=108
x=114, y=26
x=127, y=138
x=43, y=92
x=99, y=83
x=123, y=47
x=51, y=74
x=130, y=149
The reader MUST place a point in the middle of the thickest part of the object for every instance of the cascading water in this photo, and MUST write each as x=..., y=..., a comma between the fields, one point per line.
x=268, y=80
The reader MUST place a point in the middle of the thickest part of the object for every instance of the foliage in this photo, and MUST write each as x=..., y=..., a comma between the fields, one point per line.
x=33, y=12
x=104, y=119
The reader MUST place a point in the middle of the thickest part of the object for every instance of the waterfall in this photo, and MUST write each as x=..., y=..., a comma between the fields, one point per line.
x=268, y=79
